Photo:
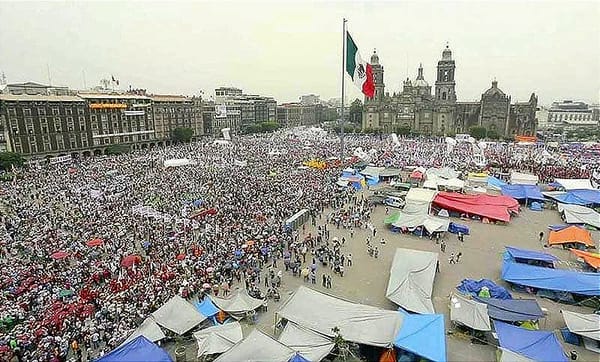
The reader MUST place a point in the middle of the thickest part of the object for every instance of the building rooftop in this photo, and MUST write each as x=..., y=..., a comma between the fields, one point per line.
x=39, y=98
x=169, y=98
x=110, y=96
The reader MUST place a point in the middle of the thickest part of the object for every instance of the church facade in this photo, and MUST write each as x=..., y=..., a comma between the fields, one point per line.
x=415, y=108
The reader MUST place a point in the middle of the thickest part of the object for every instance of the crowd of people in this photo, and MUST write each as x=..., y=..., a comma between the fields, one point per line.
x=91, y=248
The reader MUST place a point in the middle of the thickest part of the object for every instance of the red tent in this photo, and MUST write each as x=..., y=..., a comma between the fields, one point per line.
x=95, y=242
x=180, y=257
x=416, y=174
x=129, y=260
x=59, y=255
x=491, y=207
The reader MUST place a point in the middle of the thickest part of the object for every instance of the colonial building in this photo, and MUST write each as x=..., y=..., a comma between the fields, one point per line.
x=415, y=108
x=171, y=112
x=571, y=115
x=298, y=114
x=233, y=109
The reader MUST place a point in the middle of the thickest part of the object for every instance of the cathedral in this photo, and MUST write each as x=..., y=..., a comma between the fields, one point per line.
x=417, y=109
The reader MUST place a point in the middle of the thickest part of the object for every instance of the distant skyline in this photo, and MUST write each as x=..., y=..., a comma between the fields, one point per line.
x=288, y=49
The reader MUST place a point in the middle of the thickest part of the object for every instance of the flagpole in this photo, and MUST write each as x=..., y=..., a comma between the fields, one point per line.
x=343, y=77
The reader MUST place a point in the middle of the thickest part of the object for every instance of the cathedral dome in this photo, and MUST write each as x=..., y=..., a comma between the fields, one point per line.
x=374, y=58
x=493, y=91
x=420, y=81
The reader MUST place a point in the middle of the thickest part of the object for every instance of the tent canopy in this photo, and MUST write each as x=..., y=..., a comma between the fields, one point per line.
x=411, y=280
x=495, y=183
x=138, y=349
x=523, y=178
x=518, y=253
x=592, y=259
x=572, y=234
x=491, y=207
x=551, y=279
x=423, y=335
x=178, y=315
x=420, y=195
x=536, y=345
x=357, y=323
x=176, y=162
x=238, y=304
x=469, y=312
x=311, y=345
x=472, y=287
x=575, y=184
x=512, y=310
x=218, y=339
x=372, y=171
x=576, y=214
x=206, y=307
x=148, y=329
x=257, y=347
x=523, y=192
x=587, y=325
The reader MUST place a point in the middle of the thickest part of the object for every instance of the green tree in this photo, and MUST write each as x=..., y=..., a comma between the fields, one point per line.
x=356, y=111
x=117, y=149
x=403, y=131
x=268, y=126
x=9, y=159
x=478, y=132
x=182, y=134
x=492, y=134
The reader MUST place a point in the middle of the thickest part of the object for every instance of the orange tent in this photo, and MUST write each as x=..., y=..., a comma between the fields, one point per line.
x=592, y=259
x=572, y=234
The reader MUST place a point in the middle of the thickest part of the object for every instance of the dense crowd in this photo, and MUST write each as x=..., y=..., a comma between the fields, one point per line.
x=90, y=248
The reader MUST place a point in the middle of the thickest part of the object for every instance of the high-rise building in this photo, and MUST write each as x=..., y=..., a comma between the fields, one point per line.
x=236, y=110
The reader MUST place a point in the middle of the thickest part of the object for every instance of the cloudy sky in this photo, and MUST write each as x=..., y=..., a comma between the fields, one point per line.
x=285, y=49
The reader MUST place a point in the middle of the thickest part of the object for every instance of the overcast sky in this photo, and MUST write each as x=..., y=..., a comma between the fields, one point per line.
x=288, y=49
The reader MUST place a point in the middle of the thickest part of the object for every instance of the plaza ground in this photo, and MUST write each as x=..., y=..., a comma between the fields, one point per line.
x=366, y=281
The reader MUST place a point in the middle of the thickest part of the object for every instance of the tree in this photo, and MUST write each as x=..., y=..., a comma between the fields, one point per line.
x=492, y=134
x=355, y=112
x=478, y=132
x=403, y=131
x=182, y=134
x=10, y=159
x=268, y=126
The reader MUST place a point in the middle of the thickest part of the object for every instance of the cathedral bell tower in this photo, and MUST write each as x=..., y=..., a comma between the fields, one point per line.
x=444, y=84
x=377, y=78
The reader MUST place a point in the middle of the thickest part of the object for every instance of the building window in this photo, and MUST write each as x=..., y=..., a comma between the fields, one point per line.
x=26, y=111
x=69, y=111
x=80, y=111
x=42, y=111
x=12, y=112
x=55, y=112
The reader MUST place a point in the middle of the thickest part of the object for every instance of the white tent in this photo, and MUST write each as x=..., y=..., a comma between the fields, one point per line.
x=311, y=345
x=372, y=171
x=523, y=178
x=575, y=214
x=411, y=280
x=148, y=329
x=238, y=304
x=257, y=347
x=178, y=315
x=574, y=184
x=176, y=162
x=357, y=323
x=586, y=325
x=218, y=339
x=469, y=312
x=446, y=173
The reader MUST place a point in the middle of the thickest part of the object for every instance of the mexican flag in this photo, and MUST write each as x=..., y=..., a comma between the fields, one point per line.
x=360, y=71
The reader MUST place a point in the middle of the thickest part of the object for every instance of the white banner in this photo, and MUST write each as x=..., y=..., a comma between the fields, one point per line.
x=220, y=111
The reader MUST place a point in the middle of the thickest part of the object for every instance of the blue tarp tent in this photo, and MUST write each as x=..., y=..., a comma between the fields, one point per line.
x=138, y=349
x=512, y=310
x=455, y=228
x=523, y=192
x=579, y=197
x=422, y=334
x=522, y=255
x=298, y=358
x=536, y=345
x=536, y=206
x=495, y=182
x=472, y=287
x=206, y=307
x=559, y=227
x=551, y=279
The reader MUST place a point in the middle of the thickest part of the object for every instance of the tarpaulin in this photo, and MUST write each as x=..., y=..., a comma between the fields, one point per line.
x=518, y=253
x=512, y=310
x=587, y=325
x=455, y=228
x=575, y=184
x=472, y=287
x=576, y=214
x=536, y=345
x=572, y=234
x=593, y=259
x=206, y=307
x=551, y=279
x=495, y=183
x=523, y=192
x=469, y=312
x=138, y=349
x=491, y=207
x=423, y=335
